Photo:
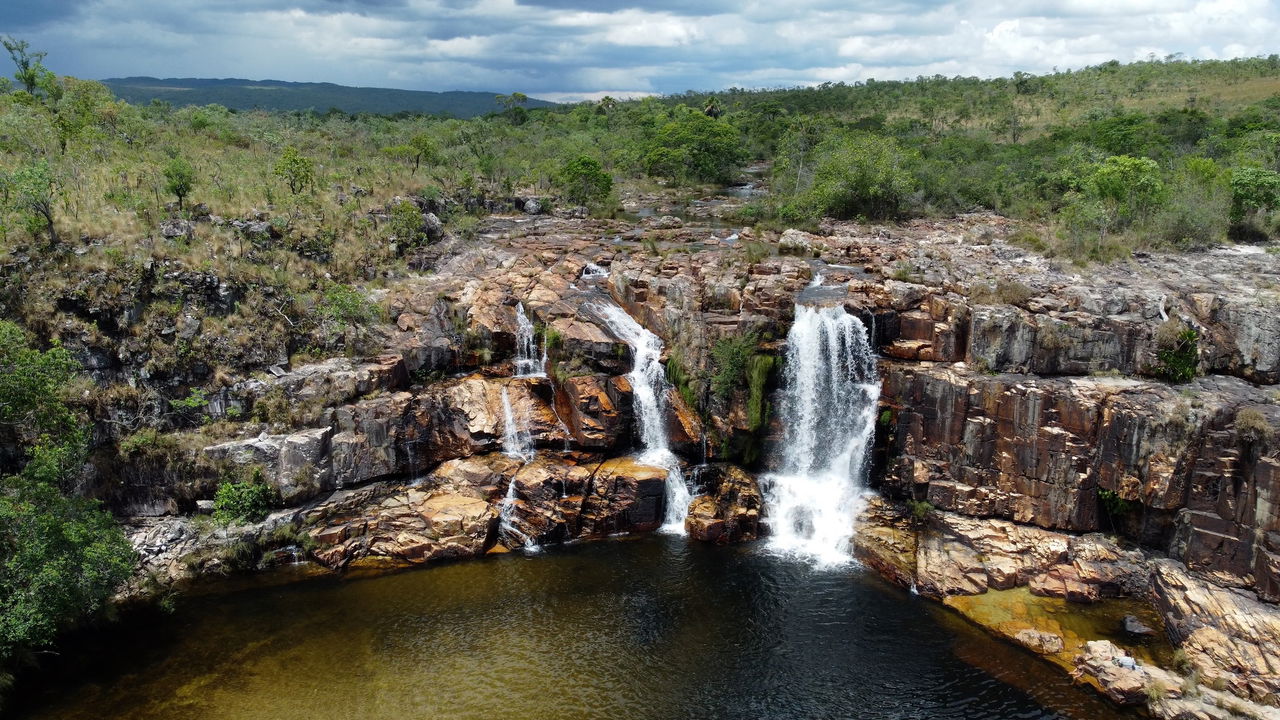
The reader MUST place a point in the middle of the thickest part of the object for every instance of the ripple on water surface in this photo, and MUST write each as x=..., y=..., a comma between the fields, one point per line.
x=648, y=628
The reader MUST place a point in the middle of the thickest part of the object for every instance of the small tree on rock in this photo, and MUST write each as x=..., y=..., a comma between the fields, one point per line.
x=30, y=192
x=179, y=178
x=298, y=171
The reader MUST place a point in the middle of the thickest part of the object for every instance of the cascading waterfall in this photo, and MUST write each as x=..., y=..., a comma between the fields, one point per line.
x=649, y=392
x=828, y=410
x=517, y=441
x=528, y=362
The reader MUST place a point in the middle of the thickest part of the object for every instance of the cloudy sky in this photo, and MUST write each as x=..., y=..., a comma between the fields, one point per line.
x=574, y=49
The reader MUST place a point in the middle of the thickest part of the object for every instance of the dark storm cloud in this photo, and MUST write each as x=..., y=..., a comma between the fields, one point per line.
x=585, y=48
x=20, y=15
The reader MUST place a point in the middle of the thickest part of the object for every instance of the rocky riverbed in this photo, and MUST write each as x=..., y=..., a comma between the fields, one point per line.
x=1027, y=445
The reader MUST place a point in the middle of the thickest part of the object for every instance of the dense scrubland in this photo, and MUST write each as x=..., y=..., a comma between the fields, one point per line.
x=202, y=244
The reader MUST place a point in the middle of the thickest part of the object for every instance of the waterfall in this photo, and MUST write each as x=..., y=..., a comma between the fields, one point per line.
x=828, y=411
x=506, y=513
x=517, y=442
x=528, y=362
x=649, y=392
x=592, y=271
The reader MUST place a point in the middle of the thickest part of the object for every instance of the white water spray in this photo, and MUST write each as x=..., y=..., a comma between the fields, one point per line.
x=649, y=392
x=517, y=442
x=528, y=362
x=828, y=410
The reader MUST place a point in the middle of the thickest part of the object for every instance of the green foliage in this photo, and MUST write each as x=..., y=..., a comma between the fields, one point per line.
x=920, y=509
x=1177, y=352
x=406, y=225
x=584, y=182
x=30, y=192
x=30, y=69
x=759, y=368
x=860, y=175
x=61, y=557
x=31, y=386
x=1253, y=190
x=730, y=356
x=179, y=178
x=1113, y=504
x=348, y=306
x=297, y=170
x=695, y=148
x=243, y=501
x=1132, y=185
x=192, y=404
x=681, y=379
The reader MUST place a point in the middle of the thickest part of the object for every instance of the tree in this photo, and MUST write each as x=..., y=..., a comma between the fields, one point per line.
x=30, y=66
x=515, y=99
x=860, y=174
x=61, y=557
x=584, y=182
x=179, y=178
x=1131, y=184
x=30, y=192
x=298, y=171
x=1253, y=190
x=424, y=149
x=695, y=147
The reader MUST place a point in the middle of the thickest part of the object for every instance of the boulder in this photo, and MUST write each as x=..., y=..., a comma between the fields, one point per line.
x=624, y=496
x=730, y=511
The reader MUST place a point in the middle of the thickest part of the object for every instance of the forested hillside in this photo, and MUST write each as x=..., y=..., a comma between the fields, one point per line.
x=289, y=96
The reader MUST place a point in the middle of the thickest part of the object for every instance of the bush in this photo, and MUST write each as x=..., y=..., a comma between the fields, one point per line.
x=1113, y=504
x=298, y=171
x=1253, y=191
x=243, y=501
x=584, y=182
x=346, y=305
x=1177, y=352
x=1252, y=425
x=179, y=178
x=406, y=224
x=861, y=175
x=695, y=148
x=61, y=556
x=759, y=368
x=730, y=357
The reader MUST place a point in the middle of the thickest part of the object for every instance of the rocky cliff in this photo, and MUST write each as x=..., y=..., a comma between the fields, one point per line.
x=1078, y=433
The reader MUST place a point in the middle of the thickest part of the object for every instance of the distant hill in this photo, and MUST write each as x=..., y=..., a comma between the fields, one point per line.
x=280, y=95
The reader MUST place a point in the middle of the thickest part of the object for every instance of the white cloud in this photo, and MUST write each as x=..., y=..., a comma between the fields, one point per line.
x=576, y=48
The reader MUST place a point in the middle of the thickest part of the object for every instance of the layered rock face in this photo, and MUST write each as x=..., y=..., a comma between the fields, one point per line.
x=1022, y=410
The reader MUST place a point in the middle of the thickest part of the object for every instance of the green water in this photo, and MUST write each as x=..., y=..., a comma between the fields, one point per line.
x=647, y=628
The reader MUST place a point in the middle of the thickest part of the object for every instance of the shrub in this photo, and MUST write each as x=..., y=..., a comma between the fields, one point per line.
x=584, y=182
x=1177, y=353
x=861, y=174
x=298, y=171
x=346, y=305
x=243, y=501
x=1113, y=504
x=919, y=508
x=1252, y=425
x=179, y=178
x=730, y=357
x=1253, y=190
x=758, y=369
x=406, y=225
x=695, y=148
